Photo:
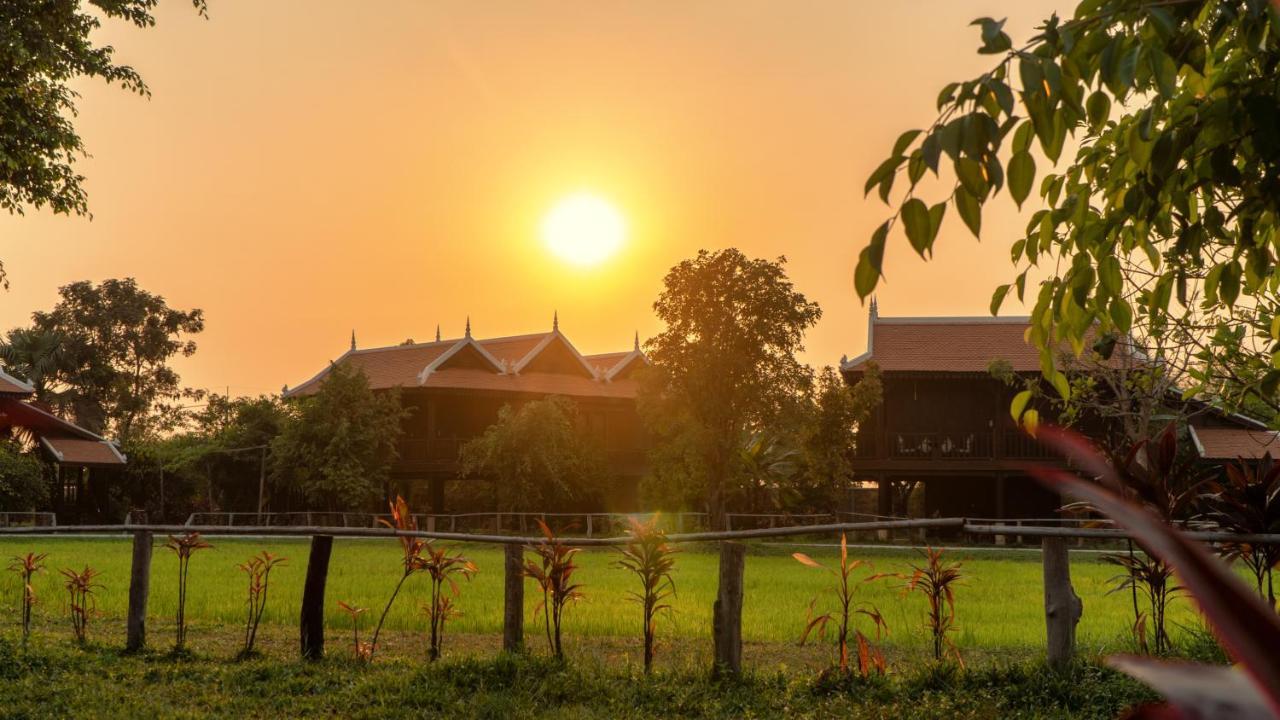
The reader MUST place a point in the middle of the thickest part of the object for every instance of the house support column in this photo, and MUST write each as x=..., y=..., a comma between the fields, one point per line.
x=884, y=502
x=1000, y=509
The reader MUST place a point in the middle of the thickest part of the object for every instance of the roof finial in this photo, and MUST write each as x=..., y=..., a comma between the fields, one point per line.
x=353, y=339
x=437, y=332
x=875, y=311
x=555, y=321
x=468, y=326
x=637, y=341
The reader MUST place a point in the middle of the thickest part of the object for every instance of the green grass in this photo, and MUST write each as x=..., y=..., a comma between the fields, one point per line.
x=1000, y=604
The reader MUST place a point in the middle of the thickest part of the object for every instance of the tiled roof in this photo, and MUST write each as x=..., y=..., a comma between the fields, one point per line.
x=10, y=385
x=947, y=345
x=404, y=366
x=1233, y=443
x=41, y=422
x=77, y=451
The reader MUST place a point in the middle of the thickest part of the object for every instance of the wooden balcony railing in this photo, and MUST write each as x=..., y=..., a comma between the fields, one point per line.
x=976, y=445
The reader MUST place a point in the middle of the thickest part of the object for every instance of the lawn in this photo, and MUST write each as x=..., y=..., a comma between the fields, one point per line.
x=1000, y=605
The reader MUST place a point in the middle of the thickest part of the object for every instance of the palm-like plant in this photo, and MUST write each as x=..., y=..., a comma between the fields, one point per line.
x=936, y=580
x=440, y=566
x=35, y=355
x=553, y=571
x=258, y=569
x=184, y=547
x=766, y=464
x=80, y=588
x=401, y=519
x=651, y=558
x=1248, y=503
x=869, y=655
x=27, y=566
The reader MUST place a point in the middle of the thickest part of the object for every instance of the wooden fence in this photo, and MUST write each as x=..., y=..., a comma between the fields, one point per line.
x=1062, y=606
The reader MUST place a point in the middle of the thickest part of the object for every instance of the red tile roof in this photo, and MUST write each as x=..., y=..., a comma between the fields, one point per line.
x=10, y=385
x=406, y=365
x=957, y=344
x=1233, y=443
x=85, y=453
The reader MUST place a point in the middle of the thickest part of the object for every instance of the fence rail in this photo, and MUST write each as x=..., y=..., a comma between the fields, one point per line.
x=36, y=519
x=1062, y=606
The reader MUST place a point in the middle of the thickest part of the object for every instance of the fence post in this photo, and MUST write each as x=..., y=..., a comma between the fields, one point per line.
x=513, y=599
x=726, y=622
x=589, y=528
x=1062, y=607
x=312, y=620
x=139, y=589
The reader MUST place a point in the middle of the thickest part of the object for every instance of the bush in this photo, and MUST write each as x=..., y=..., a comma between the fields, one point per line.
x=22, y=485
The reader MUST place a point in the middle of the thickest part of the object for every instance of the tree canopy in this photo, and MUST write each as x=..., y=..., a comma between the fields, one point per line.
x=44, y=46
x=725, y=364
x=1162, y=226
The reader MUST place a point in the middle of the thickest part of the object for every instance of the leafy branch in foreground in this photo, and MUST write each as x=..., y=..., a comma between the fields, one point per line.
x=553, y=571
x=1166, y=219
x=26, y=566
x=258, y=569
x=80, y=598
x=870, y=656
x=651, y=558
x=935, y=579
x=184, y=547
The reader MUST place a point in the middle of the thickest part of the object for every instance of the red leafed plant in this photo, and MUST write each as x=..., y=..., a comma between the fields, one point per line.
x=401, y=519
x=1246, y=626
x=80, y=587
x=27, y=566
x=935, y=579
x=651, y=558
x=441, y=566
x=258, y=569
x=1248, y=503
x=362, y=651
x=870, y=656
x=184, y=547
x=553, y=571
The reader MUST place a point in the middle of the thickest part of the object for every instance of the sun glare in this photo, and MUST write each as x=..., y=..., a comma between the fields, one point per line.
x=584, y=229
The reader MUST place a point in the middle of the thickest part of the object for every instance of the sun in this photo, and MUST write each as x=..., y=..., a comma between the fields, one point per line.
x=584, y=229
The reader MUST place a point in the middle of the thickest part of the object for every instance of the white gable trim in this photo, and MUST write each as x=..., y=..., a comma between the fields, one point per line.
x=26, y=386
x=498, y=366
x=624, y=362
x=545, y=343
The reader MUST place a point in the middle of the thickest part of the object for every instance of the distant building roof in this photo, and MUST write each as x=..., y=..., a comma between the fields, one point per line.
x=1234, y=443
x=68, y=443
x=538, y=363
x=83, y=453
x=14, y=386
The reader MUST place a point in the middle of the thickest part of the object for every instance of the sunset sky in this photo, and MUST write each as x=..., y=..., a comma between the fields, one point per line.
x=309, y=167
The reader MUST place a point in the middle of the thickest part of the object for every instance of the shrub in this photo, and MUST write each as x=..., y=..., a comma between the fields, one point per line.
x=934, y=579
x=22, y=484
x=440, y=566
x=651, y=558
x=1248, y=503
x=362, y=650
x=258, y=569
x=553, y=571
x=869, y=655
x=401, y=519
x=80, y=587
x=27, y=566
x=184, y=547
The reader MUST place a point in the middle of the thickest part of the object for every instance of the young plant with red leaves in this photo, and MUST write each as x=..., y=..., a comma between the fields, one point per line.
x=362, y=651
x=1248, y=629
x=651, y=558
x=936, y=580
x=553, y=571
x=401, y=519
x=184, y=547
x=440, y=566
x=1248, y=503
x=80, y=587
x=258, y=569
x=27, y=566
x=870, y=656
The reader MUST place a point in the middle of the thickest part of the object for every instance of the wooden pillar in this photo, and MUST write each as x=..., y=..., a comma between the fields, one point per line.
x=312, y=620
x=513, y=600
x=727, y=611
x=139, y=589
x=1062, y=607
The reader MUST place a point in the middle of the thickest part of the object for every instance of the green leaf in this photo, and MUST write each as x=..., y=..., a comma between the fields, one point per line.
x=970, y=173
x=918, y=225
x=1022, y=173
x=1023, y=137
x=1061, y=384
x=997, y=298
x=1109, y=274
x=1019, y=404
x=904, y=141
x=870, y=262
x=885, y=169
x=994, y=39
x=1098, y=108
x=1121, y=314
x=1275, y=328
x=970, y=210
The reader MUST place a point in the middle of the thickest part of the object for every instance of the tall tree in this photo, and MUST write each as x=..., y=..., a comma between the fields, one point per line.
x=830, y=434
x=338, y=446
x=538, y=456
x=1164, y=224
x=725, y=364
x=115, y=344
x=44, y=46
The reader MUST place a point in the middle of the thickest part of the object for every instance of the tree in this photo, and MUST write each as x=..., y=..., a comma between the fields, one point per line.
x=830, y=434
x=724, y=365
x=537, y=456
x=1163, y=227
x=46, y=46
x=22, y=484
x=102, y=355
x=338, y=445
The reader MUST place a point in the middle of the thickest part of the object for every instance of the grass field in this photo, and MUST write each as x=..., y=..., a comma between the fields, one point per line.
x=1000, y=605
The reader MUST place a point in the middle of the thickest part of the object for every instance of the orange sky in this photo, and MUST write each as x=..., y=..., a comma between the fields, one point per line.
x=305, y=167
